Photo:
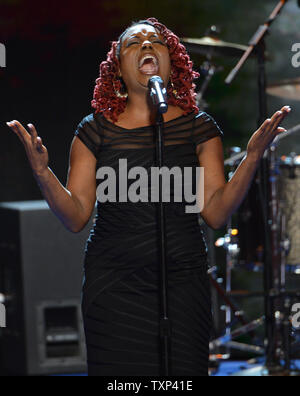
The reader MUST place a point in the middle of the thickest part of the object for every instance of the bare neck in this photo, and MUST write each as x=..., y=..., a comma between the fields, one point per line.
x=140, y=112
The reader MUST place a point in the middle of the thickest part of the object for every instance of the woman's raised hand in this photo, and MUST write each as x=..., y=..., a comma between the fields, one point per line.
x=265, y=135
x=36, y=152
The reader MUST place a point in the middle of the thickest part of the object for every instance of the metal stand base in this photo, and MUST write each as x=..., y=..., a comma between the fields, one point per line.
x=263, y=371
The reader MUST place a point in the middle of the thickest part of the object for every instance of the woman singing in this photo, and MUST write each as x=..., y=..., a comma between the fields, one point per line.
x=120, y=301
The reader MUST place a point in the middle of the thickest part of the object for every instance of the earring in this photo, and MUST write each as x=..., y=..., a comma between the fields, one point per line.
x=118, y=93
x=175, y=93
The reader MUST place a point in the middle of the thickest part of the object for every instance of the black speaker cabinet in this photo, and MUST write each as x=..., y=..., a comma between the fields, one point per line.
x=41, y=273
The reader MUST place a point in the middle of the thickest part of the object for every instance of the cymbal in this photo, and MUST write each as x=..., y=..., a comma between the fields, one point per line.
x=286, y=89
x=213, y=47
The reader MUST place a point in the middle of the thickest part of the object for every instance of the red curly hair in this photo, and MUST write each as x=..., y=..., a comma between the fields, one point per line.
x=111, y=106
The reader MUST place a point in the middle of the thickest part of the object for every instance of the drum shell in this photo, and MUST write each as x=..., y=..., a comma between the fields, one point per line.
x=289, y=193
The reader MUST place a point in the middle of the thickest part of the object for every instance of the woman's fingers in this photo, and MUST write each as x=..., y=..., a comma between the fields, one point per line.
x=33, y=134
x=26, y=137
x=39, y=145
x=278, y=121
x=18, y=127
x=280, y=130
x=19, y=130
x=271, y=124
x=37, y=153
x=280, y=115
x=275, y=121
x=36, y=140
x=13, y=127
x=265, y=125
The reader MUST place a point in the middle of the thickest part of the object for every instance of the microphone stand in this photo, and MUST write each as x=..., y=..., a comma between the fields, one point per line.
x=165, y=325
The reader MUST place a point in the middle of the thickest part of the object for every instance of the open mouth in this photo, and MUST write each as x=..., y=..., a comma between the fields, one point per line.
x=149, y=65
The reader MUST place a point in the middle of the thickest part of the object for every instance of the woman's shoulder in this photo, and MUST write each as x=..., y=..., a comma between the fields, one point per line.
x=205, y=127
x=95, y=121
x=89, y=124
x=87, y=119
x=195, y=115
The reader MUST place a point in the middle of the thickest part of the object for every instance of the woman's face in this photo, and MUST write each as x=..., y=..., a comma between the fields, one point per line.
x=143, y=54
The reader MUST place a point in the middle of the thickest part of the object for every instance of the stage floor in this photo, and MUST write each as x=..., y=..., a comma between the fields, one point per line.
x=227, y=369
x=233, y=368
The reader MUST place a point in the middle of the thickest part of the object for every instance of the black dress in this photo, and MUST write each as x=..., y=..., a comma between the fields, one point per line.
x=120, y=300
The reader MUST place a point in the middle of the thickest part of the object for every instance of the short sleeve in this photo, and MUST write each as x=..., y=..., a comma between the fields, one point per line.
x=87, y=132
x=205, y=128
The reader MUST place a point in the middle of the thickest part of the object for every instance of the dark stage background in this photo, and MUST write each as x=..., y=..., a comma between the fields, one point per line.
x=53, y=52
x=54, y=49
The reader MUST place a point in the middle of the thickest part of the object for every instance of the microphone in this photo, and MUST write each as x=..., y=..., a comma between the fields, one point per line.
x=158, y=94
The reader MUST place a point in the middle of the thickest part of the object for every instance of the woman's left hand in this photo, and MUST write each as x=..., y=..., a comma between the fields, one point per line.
x=265, y=135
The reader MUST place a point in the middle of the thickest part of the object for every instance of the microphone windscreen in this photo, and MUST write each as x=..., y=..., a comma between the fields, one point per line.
x=155, y=79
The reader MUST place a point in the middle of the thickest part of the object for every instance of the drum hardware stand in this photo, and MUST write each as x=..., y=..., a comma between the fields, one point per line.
x=286, y=324
x=227, y=339
x=237, y=313
x=222, y=293
x=231, y=244
x=282, y=315
x=272, y=271
x=208, y=69
x=285, y=245
x=235, y=309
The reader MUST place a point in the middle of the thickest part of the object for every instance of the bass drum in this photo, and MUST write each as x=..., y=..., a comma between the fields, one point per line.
x=289, y=192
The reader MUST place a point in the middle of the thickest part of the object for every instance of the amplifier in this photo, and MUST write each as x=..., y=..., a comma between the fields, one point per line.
x=41, y=274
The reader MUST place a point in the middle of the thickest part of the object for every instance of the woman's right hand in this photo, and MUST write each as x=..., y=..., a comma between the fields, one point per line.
x=36, y=152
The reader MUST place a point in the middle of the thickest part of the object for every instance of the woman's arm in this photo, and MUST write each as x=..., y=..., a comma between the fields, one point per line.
x=222, y=199
x=74, y=204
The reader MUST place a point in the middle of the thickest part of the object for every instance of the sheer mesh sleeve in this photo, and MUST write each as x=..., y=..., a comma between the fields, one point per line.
x=205, y=128
x=87, y=132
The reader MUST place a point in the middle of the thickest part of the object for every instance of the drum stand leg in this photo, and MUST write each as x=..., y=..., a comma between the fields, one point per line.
x=230, y=243
x=229, y=266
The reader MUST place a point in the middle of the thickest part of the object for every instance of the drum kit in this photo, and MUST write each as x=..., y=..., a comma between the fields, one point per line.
x=245, y=243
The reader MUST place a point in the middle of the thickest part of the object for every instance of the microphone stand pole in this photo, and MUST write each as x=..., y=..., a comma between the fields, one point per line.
x=165, y=325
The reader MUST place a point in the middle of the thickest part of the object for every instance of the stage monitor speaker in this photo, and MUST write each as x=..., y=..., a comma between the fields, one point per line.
x=41, y=274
